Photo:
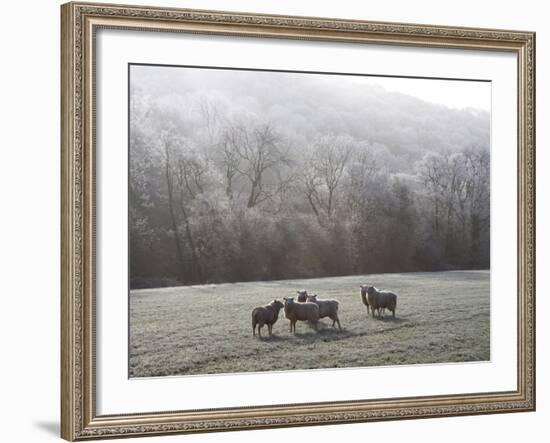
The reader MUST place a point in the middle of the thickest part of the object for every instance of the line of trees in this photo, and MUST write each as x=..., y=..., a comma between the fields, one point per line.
x=216, y=197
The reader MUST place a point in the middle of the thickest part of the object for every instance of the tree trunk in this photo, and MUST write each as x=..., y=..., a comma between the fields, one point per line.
x=436, y=217
x=254, y=192
x=475, y=229
x=229, y=185
x=329, y=205
x=448, y=233
x=196, y=262
x=177, y=239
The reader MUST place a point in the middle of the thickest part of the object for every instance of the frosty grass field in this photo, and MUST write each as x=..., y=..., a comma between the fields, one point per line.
x=441, y=317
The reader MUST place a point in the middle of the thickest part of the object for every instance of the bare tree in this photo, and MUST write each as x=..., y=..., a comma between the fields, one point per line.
x=478, y=191
x=190, y=172
x=312, y=183
x=259, y=152
x=324, y=170
x=361, y=176
x=212, y=117
x=458, y=185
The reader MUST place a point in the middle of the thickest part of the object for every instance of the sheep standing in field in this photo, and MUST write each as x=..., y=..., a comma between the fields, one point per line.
x=364, y=296
x=380, y=300
x=327, y=308
x=302, y=296
x=295, y=311
x=369, y=299
x=265, y=315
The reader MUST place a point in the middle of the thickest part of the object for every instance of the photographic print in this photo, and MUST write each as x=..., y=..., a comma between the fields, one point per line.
x=292, y=202
x=286, y=220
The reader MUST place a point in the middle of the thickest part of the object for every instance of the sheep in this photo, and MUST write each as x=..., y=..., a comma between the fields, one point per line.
x=364, y=297
x=302, y=296
x=295, y=311
x=327, y=308
x=380, y=300
x=369, y=299
x=265, y=315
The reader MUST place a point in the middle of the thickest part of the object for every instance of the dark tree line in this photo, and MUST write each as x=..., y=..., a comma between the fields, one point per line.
x=216, y=197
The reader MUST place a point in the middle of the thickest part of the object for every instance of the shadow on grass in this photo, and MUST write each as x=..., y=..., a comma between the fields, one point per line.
x=326, y=332
x=394, y=320
x=271, y=338
x=308, y=336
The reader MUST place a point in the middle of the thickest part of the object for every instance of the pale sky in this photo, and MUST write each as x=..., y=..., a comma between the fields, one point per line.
x=457, y=94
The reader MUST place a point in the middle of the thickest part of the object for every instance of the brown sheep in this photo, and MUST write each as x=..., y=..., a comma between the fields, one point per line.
x=302, y=296
x=295, y=311
x=265, y=315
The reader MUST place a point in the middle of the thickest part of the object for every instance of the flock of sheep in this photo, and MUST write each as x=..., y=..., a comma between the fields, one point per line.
x=310, y=308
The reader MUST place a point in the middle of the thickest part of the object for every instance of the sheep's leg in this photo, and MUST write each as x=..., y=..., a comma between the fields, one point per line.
x=260, y=330
x=254, y=330
x=270, y=328
x=338, y=321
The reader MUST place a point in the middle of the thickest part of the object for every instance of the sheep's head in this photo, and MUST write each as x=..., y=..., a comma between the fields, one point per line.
x=312, y=298
x=302, y=295
x=277, y=304
x=371, y=289
x=364, y=289
x=288, y=300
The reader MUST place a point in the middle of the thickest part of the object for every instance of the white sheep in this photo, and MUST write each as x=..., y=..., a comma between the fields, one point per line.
x=327, y=308
x=295, y=311
x=380, y=300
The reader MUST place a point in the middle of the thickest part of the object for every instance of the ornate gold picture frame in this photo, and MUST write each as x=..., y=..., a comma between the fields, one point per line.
x=80, y=22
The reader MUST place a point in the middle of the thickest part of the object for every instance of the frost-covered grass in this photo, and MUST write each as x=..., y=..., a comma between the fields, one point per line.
x=441, y=317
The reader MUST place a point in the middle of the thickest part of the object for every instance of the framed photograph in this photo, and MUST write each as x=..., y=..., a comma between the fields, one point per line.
x=283, y=221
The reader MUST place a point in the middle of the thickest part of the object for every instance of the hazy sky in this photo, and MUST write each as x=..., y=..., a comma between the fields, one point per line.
x=456, y=94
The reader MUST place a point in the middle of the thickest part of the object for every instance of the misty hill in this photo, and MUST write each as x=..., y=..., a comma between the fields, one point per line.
x=303, y=106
